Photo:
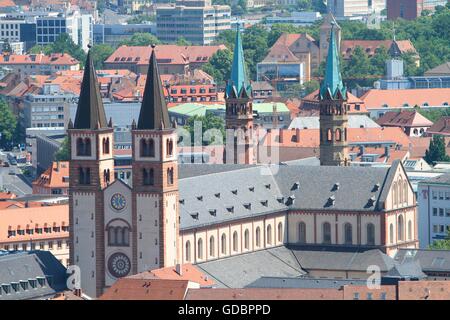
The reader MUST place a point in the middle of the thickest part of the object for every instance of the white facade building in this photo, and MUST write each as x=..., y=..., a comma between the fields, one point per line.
x=347, y=9
x=434, y=209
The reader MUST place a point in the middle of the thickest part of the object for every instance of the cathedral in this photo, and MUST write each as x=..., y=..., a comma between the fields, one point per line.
x=192, y=213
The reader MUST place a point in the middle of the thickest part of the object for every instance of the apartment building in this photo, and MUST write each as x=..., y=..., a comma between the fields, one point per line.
x=410, y=9
x=10, y=29
x=433, y=196
x=195, y=20
x=347, y=9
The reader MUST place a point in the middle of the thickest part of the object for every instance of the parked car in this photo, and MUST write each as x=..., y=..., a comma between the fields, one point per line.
x=6, y=164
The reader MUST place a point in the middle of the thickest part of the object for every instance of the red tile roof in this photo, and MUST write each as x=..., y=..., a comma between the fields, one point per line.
x=376, y=99
x=404, y=119
x=56, y=176
x=167, y=54
x=311, y=102
x=442, y=127
x=40, y=58
x=146, y=289
x=370, y=46
x=7, y=195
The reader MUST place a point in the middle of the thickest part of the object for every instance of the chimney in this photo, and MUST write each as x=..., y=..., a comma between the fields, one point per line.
x=297, y=135
x=179, y=269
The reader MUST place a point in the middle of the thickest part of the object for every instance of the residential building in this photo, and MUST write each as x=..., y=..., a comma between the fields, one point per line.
x=348, y=9
x=378, y=102
x=38, y=64
x=195, y=20
x=410, y=9
x=55, y=180
x=10, y=29
x=442, y=70
x=16, y=47
x=48, y=231
x=172, y=59
x=434, y=209
x=440, y=127
x=262, y=90
x=31, y=275
x=310, y=104
x=354, y=121
x=411, y=122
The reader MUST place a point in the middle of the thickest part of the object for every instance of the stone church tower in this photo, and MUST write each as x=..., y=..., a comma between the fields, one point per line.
x=91, y=171
x=239, y=111
x=155, y=180
x=117, y=229
x=333, y=111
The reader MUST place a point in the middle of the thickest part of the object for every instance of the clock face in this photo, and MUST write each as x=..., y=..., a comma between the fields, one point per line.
x=119, y=265
x=118, y=201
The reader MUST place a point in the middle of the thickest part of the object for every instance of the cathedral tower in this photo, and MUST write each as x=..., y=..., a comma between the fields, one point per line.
x=239, y=111
x=155, y=180
x=333, y=111
x=91, y=171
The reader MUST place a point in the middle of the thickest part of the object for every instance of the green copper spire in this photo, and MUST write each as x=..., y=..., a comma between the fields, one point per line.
x=332, y=84
x=238, y=72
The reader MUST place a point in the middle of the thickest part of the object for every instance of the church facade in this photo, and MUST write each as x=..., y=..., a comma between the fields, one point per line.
x=175, y=213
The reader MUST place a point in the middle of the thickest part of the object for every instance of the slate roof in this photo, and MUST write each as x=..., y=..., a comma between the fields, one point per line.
x=441, y=179
x=429, y=260
x=304, y=283
x=341, y=258
x=30, y=265
x=210, y=195
x=354, y=121
x=241, y=270
x=406, y=270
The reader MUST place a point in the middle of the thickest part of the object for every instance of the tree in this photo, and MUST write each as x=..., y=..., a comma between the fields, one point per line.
x=209, y=121
x=219, y=66
x=6, y=47
x=65, y=44
x=142, y=18
x=443, y=244
x=183, y=42
x=63, y=153
x=8, y=124
x=141, y=39
x=100, y=52
x=101, y=5
x=436, y=150
x=310, y=87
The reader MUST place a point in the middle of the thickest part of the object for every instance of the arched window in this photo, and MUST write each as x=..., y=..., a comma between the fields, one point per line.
x=147, y=147
x=405, y=191
x=84, y=175
x=269, y=234
x=400, y=191
x=148, y=176
x=211, y=246
x=235, y=242
x=348, y=234
x=111, y=236
x=125, y=236
x=280, y=232
x=394, y=193
x=223, y=244
x=329, y=135
x=246, y=239
x=80, y=147
x=409, y=230
x=169, y=147
x=391, y=233
x=302, y=232
x=169, y=176
x=105, y=145
x=400, y=228
x=370, y=234
x=338, y=134
x=119, y=236
x=326, y=229
x=87, y=147
x=258, y=237
x=188, y=251
x=200, y=249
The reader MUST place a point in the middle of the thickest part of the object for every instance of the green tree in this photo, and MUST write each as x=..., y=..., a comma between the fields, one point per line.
x=209, y=121
x=101, y=5
x=6, y=47
x=65, y=44
x=436, y=150
x=8, y=124
x=100, y=52
x=63, y=153
x=141, y=39
x=443, y=244
x=142, y=18
x=219, y=66
x=310, y=87
x=183, y=42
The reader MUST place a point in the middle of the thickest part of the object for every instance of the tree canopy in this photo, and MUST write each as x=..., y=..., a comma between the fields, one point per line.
x=141, y=39
x=219, y=66
x=100, y=52
x=436, y=150
x=208, y=122
x=8, y=124
x=63, y=153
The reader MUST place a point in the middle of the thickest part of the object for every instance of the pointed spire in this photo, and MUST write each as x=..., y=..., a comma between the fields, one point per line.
x=238, y=78
x=70, y=124
x=90, y=111
x=154, y=113
x=332, y=84
x=110, y=124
